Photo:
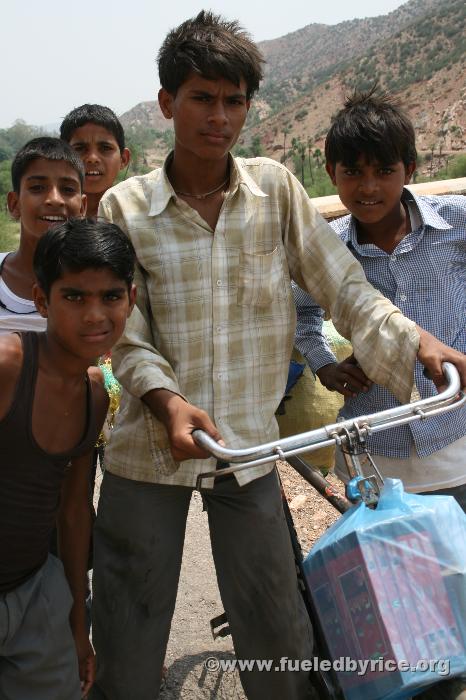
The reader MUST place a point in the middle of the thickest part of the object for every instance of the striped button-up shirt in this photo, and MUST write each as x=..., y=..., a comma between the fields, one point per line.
x=215, y=317
x=425, y=276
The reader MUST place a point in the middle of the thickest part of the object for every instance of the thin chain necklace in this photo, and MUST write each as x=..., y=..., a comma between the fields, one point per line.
x=206, y=194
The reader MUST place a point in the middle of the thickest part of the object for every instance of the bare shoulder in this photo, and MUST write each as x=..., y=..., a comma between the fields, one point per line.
x=11, y=361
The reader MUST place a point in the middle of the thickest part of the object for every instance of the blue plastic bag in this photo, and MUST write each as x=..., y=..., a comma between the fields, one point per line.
x=389, y=588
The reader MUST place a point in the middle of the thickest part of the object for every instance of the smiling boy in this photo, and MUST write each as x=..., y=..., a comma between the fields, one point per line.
x=97, y=136
x=413, y=250
x=84, y=291
x=47, y=178
x=208, y=346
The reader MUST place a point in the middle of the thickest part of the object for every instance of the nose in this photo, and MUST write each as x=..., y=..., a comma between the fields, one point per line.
x=54, y=196
x=368, y=183
x=92, y=155
x=94, y=312
x=217, y=115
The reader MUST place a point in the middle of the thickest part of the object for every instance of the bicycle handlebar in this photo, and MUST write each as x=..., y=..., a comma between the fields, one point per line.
x=338, y=433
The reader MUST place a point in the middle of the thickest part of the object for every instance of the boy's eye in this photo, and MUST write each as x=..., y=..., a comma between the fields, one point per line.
x=36, y=188
x=73, y=297
x=112, y=296
x=386, y=171
x=351, y=172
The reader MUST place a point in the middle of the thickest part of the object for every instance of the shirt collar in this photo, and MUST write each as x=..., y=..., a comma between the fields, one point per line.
x=427, y=214
x=240, y=176
x=429, y=217
x=163, y=192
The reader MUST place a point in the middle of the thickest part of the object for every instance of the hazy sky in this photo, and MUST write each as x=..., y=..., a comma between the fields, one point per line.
x=56, y=55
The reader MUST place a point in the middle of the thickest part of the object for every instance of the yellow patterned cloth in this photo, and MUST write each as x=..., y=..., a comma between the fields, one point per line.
x=311, y=405
x=113, y=389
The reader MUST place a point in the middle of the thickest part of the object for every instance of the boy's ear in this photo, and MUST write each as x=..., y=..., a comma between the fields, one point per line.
x=12, y=200
x=331, y=172
x=132, y=298
x=40, y=300
x=125, y=157
x=409, y=170
x=165, y=102
x=83, y=211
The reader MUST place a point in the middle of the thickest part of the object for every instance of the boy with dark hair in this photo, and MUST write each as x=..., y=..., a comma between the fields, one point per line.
x=96, y=134
x=217, y=240
x=47, y=178
x=85, y=293
x=413, y=250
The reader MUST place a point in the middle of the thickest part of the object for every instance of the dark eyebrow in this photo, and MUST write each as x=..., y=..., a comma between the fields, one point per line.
x=74, y=290
x=201, y=92
x=46, y=177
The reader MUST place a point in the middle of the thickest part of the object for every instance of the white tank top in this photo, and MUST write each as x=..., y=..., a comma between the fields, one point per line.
x=17, y=314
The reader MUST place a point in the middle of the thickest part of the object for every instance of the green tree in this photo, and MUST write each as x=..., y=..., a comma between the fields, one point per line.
x=285, y=132
x=256, y=149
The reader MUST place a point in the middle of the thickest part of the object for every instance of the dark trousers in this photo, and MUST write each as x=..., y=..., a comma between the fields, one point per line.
x=138, y=540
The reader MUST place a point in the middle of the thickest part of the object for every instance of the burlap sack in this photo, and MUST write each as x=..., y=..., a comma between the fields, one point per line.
x=311, y=405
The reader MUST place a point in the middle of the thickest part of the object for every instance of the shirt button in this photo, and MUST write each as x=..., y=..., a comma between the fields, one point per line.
x=219, y=375
x=393, y=257
x=403, y=297
x=219, y=329
x=219, y=283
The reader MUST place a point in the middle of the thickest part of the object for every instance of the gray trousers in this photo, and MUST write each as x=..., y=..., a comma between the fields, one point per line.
x=138, y=544
x=38, y=659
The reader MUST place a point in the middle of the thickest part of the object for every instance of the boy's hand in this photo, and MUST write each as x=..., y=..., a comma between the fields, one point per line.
x=86, y=661
x=346, y=377
x=180, y=419
x=432, y=353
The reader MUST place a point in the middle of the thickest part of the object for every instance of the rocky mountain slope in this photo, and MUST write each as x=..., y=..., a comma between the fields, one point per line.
x=416, y=52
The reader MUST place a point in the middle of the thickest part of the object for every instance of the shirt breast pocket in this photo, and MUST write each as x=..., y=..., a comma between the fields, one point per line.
x=260, y=278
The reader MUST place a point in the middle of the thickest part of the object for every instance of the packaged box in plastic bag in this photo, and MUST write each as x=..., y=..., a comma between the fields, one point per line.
x=389, y=588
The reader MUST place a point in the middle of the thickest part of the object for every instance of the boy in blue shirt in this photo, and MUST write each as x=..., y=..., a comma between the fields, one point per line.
x=413, y=250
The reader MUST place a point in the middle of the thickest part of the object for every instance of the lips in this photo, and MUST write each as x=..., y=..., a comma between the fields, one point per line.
x=369, y=203
x=216, y=136
x=93, y=173
x=51, y=219
x=95, y=337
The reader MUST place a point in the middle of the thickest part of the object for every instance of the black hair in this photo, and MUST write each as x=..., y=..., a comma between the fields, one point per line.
x=92, y=114
x=46, y=147
x=373, y=125
x=80, y=244
x=212, y=47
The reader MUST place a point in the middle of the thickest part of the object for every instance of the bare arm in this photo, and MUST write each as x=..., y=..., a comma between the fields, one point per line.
x=74, y=524
x=11, y=360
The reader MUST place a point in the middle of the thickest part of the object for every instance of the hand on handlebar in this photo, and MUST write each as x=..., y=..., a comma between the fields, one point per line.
x=180, y=418
x=432, y=352
x=346, y=377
